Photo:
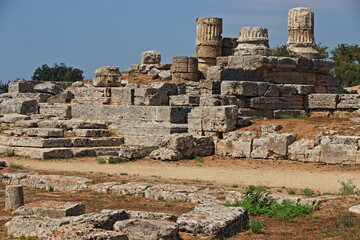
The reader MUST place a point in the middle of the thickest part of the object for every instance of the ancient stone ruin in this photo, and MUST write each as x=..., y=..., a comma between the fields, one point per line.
x=192, y=106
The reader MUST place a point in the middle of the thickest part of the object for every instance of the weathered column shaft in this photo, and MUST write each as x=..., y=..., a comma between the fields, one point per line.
x=14, y=197
x=253, y=41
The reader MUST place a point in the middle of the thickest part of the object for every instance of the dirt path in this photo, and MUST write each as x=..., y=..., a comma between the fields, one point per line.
x=271, y=174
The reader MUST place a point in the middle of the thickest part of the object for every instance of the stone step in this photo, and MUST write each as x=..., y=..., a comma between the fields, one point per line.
x=60, y=142
x=148, y=129
x=36, y=132
x=72, y=123
x=92, y=132
x=58, y=153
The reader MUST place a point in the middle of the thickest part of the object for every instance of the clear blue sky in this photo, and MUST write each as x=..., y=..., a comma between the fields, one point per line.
x=88, y=34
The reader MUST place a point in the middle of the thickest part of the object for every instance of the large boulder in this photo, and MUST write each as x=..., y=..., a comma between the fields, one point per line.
x=140, y=229
x=107, y=76
x=214, y=220
x=150, y=57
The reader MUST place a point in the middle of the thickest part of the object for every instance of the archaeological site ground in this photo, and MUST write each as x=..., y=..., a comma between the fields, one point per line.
x=233, y=143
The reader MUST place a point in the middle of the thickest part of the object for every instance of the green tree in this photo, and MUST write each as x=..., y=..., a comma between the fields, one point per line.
x=281, y=51
x=4, y=87
x=347, y=64
x=59, y=72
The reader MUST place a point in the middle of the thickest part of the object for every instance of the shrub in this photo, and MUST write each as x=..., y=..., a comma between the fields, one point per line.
x=348, y=187
x=258, y=202
x=113, y=160
x=291, y=191
x=256, y=226
x=307, y=192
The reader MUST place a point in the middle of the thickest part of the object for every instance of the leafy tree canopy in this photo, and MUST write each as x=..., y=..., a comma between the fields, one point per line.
x=59, y=72
x=3, y=87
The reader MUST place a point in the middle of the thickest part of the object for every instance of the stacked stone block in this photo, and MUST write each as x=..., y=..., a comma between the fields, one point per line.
x=184, y=69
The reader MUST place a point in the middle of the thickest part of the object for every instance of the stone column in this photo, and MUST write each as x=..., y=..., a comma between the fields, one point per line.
x=14, y=197
x=184, y=69
x=208, y=42
x=301, y=41
x=253, y=41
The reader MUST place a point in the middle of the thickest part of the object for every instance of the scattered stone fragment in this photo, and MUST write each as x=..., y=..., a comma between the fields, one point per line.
x=53, y=209
x=14, y=197
x=47, y=87
x=271, y=128
x=355, y=209
x=150, y=57
x=214, y=220
x=141, y=229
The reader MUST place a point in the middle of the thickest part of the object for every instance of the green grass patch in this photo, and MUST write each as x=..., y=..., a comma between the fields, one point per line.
x=256, y=226
x=13, y=165
x=307, y=192
x=258, y=202
x=198, y=158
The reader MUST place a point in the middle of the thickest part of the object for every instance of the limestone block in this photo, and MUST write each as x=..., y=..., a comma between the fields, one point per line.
x=20, y=106
x=47, y=87
x=165, y=75
x=220, y=100
x=92, y=132
x=57, y=182
x=52, y=209
x=140, y=229
x=326, y=101
x=208, y=51
x=322, y=66
x=130, y=188
x=34, y=142
x=135, y=152
x=184, y=77
x=250, y=112
x=39, y=97
x=184, y=100
x=85, y=232
x=213, y=119
x=107, y=76
x=134, y=68
x=214, y=220
x=338, y=153
x=238, y=148
x=123, y=96
x=355, y=209
x=243, y=88
x=182, y=146
x=277, y=143
x=170, y=191
x=103, y=141
x=153, y=73
x=209, y=87
x=259, y=149
x=72, y=123
x=151, y=216
x=14, y=117
x=184, y=65
x=14, y=197
x=150, y=129
x=270, y=128
x=64, y=97
x=150, y=57
x=286, y=102
x=58, y=110
x=296, y=89
x=33, y=226
x=90, y=92
x=292, y=113
x=21, y=86
x=45, y=132
x=304, y=151
x=349, y=101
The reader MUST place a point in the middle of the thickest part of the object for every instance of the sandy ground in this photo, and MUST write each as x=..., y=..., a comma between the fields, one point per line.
x=218, y=172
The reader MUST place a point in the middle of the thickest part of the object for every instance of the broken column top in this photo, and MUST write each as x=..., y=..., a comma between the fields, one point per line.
x=208, y=31
x=301, y=41
x=253, y=41
x=107, y=76
x=254, y=34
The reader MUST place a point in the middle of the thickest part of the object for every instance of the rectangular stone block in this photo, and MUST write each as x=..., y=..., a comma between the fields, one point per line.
x=184, y=65
x=327, y=101
x=92, y=132
x=122, y=96
x=148, y=129
x=43, y=153
x=58, y=110
x=244, y=88
x=52, y=209
x=249, y=112
x=35, y=142
x=213, y=119
x=184, y=100
x=209, y=87
x=45, y=132
x=39, y=97
x=184, y=77
x=296, y=89
x=21, y=86
x=20, y=106
x=274, y=103
x=349, y=101
x=96, y=142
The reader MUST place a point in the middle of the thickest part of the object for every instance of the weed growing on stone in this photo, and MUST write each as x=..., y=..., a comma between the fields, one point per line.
x=235, y=186
x=256, y=226
x=258, y=202
x=348, y=187
x=123, y=174
x=15, y=166
x=113, y=160
x=291, y=191
x=101, y=161
x=9, y=152
x=198, y=158
x=307, y=192
x=160, y=198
